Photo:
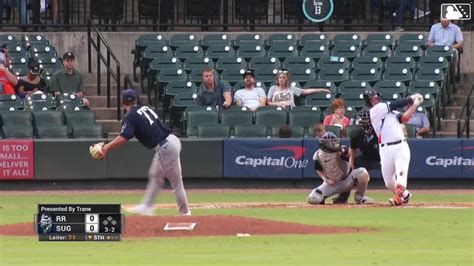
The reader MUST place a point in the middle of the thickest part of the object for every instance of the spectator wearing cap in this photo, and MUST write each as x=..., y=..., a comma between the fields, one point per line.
x=69, y=80
x=251, y=97
x=33, y=82
x=7, y=80
x=446, y=33
x=213, y=92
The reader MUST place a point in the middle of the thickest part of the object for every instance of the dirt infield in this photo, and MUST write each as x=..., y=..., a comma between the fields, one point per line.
x=215, y=225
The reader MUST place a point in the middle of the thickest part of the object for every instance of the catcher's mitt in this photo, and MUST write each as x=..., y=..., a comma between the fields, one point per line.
x=96, y=151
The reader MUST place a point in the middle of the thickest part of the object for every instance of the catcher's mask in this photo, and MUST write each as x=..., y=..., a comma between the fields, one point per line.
x=329, y=142
x=363, y=119
x=369, y=95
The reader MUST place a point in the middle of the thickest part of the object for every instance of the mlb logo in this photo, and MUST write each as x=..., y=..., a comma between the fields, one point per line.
x=456, y=11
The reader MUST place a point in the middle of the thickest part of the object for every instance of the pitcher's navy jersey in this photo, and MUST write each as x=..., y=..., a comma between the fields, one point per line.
x=143, y=123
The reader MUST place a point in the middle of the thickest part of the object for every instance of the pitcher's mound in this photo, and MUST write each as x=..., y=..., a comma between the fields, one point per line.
x=223, y=225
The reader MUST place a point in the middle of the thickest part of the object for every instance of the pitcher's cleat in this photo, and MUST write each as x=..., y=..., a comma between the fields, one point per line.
x=141, y=210
x=187, y=214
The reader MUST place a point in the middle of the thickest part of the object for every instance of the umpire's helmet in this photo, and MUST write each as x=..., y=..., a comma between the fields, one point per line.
x=329, y=142
x=369, y=94
x=363, y=119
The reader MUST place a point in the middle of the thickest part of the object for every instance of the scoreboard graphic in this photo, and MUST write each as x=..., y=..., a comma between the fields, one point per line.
x=79, y=222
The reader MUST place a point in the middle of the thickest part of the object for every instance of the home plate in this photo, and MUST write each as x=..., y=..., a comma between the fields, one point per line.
x=179, y=226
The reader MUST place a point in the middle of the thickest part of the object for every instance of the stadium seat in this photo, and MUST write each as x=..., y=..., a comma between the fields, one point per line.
x=369, y=75
x=150, y=53
x=199, y=115
x=333, y=62
x=349, y=51
x=236, y=116
x=411, y=131
x=250, y=131
x=321, y=100
x=347, y=39
x=439, y=50
x=249, y=40
x=216, y=40
x=314, y=40
x=158, y=64
x=302, y=74
x=398, y=74
x=266, y=75
x=18, y=132
x=304, y=116
x=353, y=86
x=299, y=62
x=264, y=62
x=410, y=50
x=282, y=51
x=321, y=84
x=386, y=87
x=248, y=51
x=10, y=102
x=52, y=131
x=423, y=87
x=334, y=129
x=142, y=43
x=219, y=51
x=41, y=49
x=213, y=131
x=172, y=89
x=334, y=75
x=198, y=63
x=433, y=62
x=163, y=78
x=315, y=52
x=87, y=131
x=354, y=100
x=230, y=62
x=367, y=62
x=296, y=131
x=281, y=39
x=426, y=74
x=400, y=62
x=270, y=116
x=413, y=39
x=183, y=39
x=232, y=75
x=33, y=39
x=46, y=118
x=377, y=50
x=179, y=104
x=187, y=51
x=380, y=39
x=17, y=118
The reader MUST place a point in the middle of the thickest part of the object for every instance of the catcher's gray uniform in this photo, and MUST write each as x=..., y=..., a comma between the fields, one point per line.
x=338, y=177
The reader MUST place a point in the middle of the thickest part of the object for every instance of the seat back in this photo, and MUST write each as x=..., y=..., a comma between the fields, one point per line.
x=87, y=131
x=213, y=131
x=304, y=116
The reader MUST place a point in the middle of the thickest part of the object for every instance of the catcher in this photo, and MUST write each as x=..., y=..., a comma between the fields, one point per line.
x=144, y=124
x=331, y=164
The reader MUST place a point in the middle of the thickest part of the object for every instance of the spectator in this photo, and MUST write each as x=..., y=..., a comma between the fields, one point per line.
x=250, y=97
x=420, y=121
x=337, y=118
x=284, y=132
x=400, y=7
x=283, y=94
x=33, y=82
x=213, y=92
x=7, y=79
x=319, y=130
x=69, y=80
x=5, y=56
x=446, y=33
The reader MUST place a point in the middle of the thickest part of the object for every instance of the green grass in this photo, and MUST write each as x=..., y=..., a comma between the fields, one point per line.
x=402, y=236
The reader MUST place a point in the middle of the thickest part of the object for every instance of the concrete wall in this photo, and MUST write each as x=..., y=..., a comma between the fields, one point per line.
x=123, y=42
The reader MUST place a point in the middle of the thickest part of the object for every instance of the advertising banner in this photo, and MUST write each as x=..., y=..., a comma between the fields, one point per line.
x=272, y=158
x=468, y=158
x=16, y=159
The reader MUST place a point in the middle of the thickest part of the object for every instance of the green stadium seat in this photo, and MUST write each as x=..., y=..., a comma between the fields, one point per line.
x=264, y=62
x=230, y=62
x=386, y=87
x=213, y=131
x=377, y=50
x=400, y=62
x=380, y=39
x=302, y=74
x=299, y=62
x=150, y=53
x=354, y=101
x=196, y=116
x=266, y=75
x=282, y=51
x=249, y=51
x=236, y=116
x=17, y=118
x=52, y=131
x=411, y=50
x=41, y=48
x=304, y=116
x=10, y=102
x=187, y=51
x=353, y=86
x=172, y=89
x=269, y=116
x=411, y=131
x=142, y=43
x=46, y=118
x=398, y=74
x=179, y=104
x=423, y=87
x=19, y=70
x=321, y=84
x=197, y=63
x=439, y=50
x=321, y=100
x=215, y=39
x=296, y=131
x=158, y=64
x=314, y=40
x=334, y=129
x=164, y=77
x=347, y=39
x=282, y=39
x=232, y=75
x=433, y=62
x=17, y=132
x=183, y=39
x=333, y=62
x=336, y=75
x=413, y=39
x=367, y=62
x=425, y=74
x=87, y=131
x=250, y=131
x=15, y=49
x=315, y=52
x=249, y=39
x=369, y=75
x=220, y=51
x=8, y=38
x=349, y=51
x=33, y=39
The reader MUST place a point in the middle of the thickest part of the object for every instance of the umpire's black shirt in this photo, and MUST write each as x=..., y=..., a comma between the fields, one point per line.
x=368, y=145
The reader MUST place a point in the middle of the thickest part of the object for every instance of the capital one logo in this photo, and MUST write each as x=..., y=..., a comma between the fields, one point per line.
x=451, y=161
x=294, y=161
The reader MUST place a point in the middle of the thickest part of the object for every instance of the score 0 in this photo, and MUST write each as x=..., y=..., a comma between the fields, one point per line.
x=92, y=223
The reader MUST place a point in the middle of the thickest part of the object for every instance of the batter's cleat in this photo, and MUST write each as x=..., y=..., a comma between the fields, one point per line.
x=141, y=210
x=407, y=198
x=397, y=199
x=362, y=199
x=342, y=198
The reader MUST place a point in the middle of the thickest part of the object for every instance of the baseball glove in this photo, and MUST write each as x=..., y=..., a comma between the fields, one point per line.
x=96, y=151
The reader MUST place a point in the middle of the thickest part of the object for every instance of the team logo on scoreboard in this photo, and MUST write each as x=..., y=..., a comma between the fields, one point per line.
x=318, y=10
x=46, y=223
x=455, y=11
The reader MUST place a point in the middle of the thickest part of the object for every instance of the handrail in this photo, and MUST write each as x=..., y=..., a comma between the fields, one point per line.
x=106, y=61
x=468, y=108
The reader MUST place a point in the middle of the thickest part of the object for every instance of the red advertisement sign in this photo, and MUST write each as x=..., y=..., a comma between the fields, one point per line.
x=16, y=159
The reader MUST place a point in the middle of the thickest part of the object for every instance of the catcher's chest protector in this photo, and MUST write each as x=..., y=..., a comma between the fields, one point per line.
x=335, y=168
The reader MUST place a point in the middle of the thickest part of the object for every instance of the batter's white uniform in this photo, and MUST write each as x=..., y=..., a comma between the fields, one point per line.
x=393, y=148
